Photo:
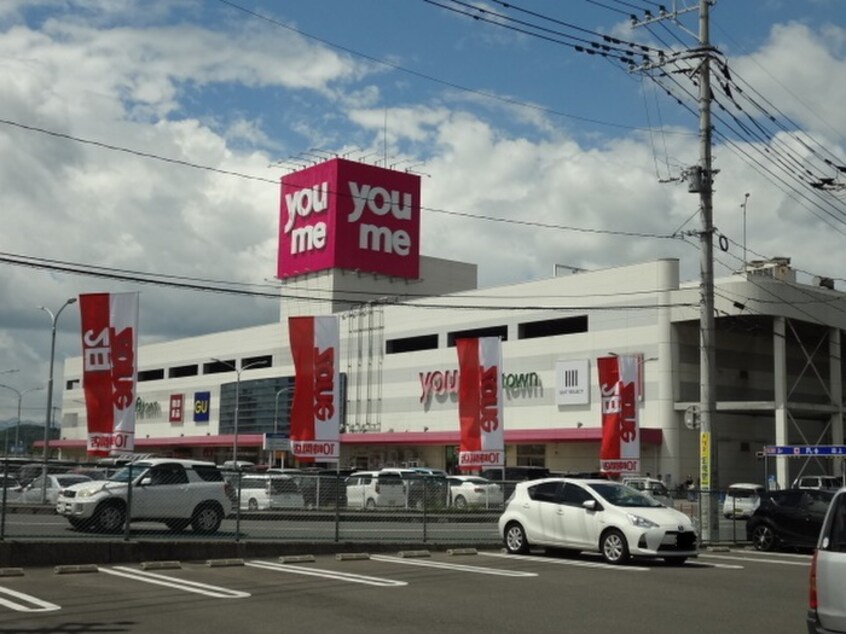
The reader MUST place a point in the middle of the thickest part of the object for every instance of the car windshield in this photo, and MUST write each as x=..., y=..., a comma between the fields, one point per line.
x=622, y=495
x=130, y=471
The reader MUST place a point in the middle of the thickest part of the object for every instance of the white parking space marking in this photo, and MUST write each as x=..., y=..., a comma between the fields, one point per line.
x=35, y=604
x=328, y=574
x=172, y=582
x=567, y=562
x=450, y=566
x=760, y=560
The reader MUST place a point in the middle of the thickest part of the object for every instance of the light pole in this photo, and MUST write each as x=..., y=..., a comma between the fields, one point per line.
x=237, y=371
x=276, y=411
x=53, y=320
x=20, y=394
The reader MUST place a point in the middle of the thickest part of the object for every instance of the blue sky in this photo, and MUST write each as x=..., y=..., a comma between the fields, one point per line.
x=503, y=126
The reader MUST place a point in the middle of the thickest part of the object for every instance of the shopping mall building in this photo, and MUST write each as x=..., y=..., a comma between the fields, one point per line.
x=349, y=245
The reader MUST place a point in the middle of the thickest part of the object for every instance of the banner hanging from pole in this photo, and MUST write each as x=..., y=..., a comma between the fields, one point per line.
x=316, y=408
x=618, y=384
x=480, y=403
x=109, y=370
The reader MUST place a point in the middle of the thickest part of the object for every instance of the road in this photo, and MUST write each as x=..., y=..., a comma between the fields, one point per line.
x=489, y=592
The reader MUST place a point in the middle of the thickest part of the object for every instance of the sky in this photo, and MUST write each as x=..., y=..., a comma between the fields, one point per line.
x=146, y=138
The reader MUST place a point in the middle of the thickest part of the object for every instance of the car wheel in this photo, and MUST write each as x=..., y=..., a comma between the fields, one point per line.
x=370, y=505
x=614, y=548
x=109, y=518
x=206, y=519
x=177, y=525
x=515, y=539
x=763, y=537
x=460, y=502
x=252, y=505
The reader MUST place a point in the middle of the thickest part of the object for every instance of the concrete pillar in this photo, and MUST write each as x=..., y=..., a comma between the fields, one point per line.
x=671, y=456
x=780, y=395
x=836, y=388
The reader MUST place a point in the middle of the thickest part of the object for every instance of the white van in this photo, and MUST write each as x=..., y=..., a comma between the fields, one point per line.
x=372, y=489
x=742, y=499
x=264, y=492
x=656, y=489
x=826, y=599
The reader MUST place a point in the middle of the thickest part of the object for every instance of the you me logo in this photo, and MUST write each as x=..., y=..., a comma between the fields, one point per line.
x=346, y=215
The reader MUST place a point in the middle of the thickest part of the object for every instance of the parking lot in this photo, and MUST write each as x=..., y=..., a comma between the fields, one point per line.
x=415, y=591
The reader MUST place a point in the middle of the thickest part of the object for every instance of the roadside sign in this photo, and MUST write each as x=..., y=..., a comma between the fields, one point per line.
x=274, y=441
x=803, y=451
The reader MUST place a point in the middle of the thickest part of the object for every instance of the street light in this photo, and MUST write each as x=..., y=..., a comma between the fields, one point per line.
x=53, y=320
x=237, y=371
x=276, y=412
x=20, y=394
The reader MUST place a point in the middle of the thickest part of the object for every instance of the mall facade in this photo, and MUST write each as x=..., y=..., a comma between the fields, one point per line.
x=779, y=377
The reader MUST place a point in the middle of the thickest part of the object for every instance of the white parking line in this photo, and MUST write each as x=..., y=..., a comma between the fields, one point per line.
x=36, y=605
x=450, y=566
x=760, y=560
x=171, y=582
x=327, y=574
x=567, y=562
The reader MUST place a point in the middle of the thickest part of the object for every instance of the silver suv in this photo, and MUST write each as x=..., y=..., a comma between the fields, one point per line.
x=175, y=492
x=827, y=602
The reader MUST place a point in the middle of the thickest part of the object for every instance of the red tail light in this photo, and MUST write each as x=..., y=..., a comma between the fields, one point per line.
x=812, y=586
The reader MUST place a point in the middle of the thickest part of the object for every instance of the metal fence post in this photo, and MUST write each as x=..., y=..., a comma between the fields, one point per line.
x=338, y=485
x=425, y=516
x=3, y=509
x=238, y=506
x=128, y=504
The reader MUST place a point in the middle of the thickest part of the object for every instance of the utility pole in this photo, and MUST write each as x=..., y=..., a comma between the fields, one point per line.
x=700, y=181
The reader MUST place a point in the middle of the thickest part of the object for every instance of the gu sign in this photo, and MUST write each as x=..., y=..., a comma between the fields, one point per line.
x=341, y=214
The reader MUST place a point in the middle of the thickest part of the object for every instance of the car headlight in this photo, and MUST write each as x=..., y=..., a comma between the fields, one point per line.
x=85, y=493
x=641, y=522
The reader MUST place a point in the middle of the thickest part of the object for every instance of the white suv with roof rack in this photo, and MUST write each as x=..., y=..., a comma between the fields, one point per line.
x=175, y=492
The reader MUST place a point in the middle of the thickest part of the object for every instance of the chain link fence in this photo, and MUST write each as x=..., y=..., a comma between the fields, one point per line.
x=176, y=499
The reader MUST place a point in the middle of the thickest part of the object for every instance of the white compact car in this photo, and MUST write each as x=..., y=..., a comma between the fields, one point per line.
x=261, y=492
x=595, y=515
x=474, y=491
x=372, y=489
x=742, y=499
x=826, y=599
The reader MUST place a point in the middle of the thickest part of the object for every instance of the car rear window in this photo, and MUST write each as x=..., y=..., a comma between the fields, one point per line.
x=208, y=473
x=390, y=478
x=743, y=493
x=283, y=485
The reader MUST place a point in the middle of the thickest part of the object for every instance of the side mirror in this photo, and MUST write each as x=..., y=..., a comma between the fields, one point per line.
x=590, y=505
x=145, y=481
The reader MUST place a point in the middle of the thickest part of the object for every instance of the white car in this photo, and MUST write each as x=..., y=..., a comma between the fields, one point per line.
x=595, y=515
x=826, y=599
x=372, y=489
x=175, y=492
x=467, y=491
x=263, y=492
x=31, y=493
x=742, y=499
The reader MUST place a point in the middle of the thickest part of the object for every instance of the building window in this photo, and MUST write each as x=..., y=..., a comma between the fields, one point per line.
x=151, y=375
x=265, y=361
x=552, y=327
x=72, y=384
x=412, y=344
x=182, y=370
x=531, y=455
x=217, y=367
x=490, y=331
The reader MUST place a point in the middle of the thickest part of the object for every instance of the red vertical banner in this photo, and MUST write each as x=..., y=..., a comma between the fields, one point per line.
x=619, y=451
x=109, y=369
x=316, y=409
x=480, y=403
